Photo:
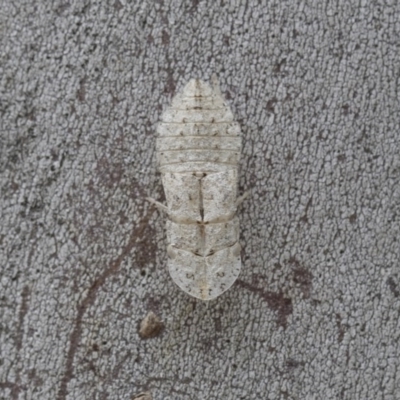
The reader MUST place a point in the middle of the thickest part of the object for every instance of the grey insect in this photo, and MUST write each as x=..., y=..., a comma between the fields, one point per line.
x=198, y=150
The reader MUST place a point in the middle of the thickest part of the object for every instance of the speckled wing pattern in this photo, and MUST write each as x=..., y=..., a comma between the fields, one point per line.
x=198, y=149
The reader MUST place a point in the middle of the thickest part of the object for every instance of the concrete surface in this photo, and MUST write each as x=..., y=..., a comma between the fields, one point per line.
x=315, y=312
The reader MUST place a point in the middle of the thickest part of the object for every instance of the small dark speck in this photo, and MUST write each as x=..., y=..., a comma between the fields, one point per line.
x=367, y=150
x=345, y=109
x=393, y=287
x=271, y=104
x=353, y=218
x=278, y=66
x=292, y=364
x=341, y=157
x=117, y=5
x=226, y=41
x=165, y=38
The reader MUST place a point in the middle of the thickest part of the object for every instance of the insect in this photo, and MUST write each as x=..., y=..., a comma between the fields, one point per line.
x=198, y=150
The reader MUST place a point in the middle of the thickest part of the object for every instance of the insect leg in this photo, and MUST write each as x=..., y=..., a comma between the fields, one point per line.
x=159, y=205
x=242, y=198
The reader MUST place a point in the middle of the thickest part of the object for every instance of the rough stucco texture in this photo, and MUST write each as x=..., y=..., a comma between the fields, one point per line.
x=315, y=312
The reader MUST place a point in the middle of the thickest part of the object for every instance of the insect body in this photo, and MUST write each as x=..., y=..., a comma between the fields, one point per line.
x=198, y=149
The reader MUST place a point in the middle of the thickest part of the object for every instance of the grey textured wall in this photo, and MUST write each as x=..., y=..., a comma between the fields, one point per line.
x=315, y=312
